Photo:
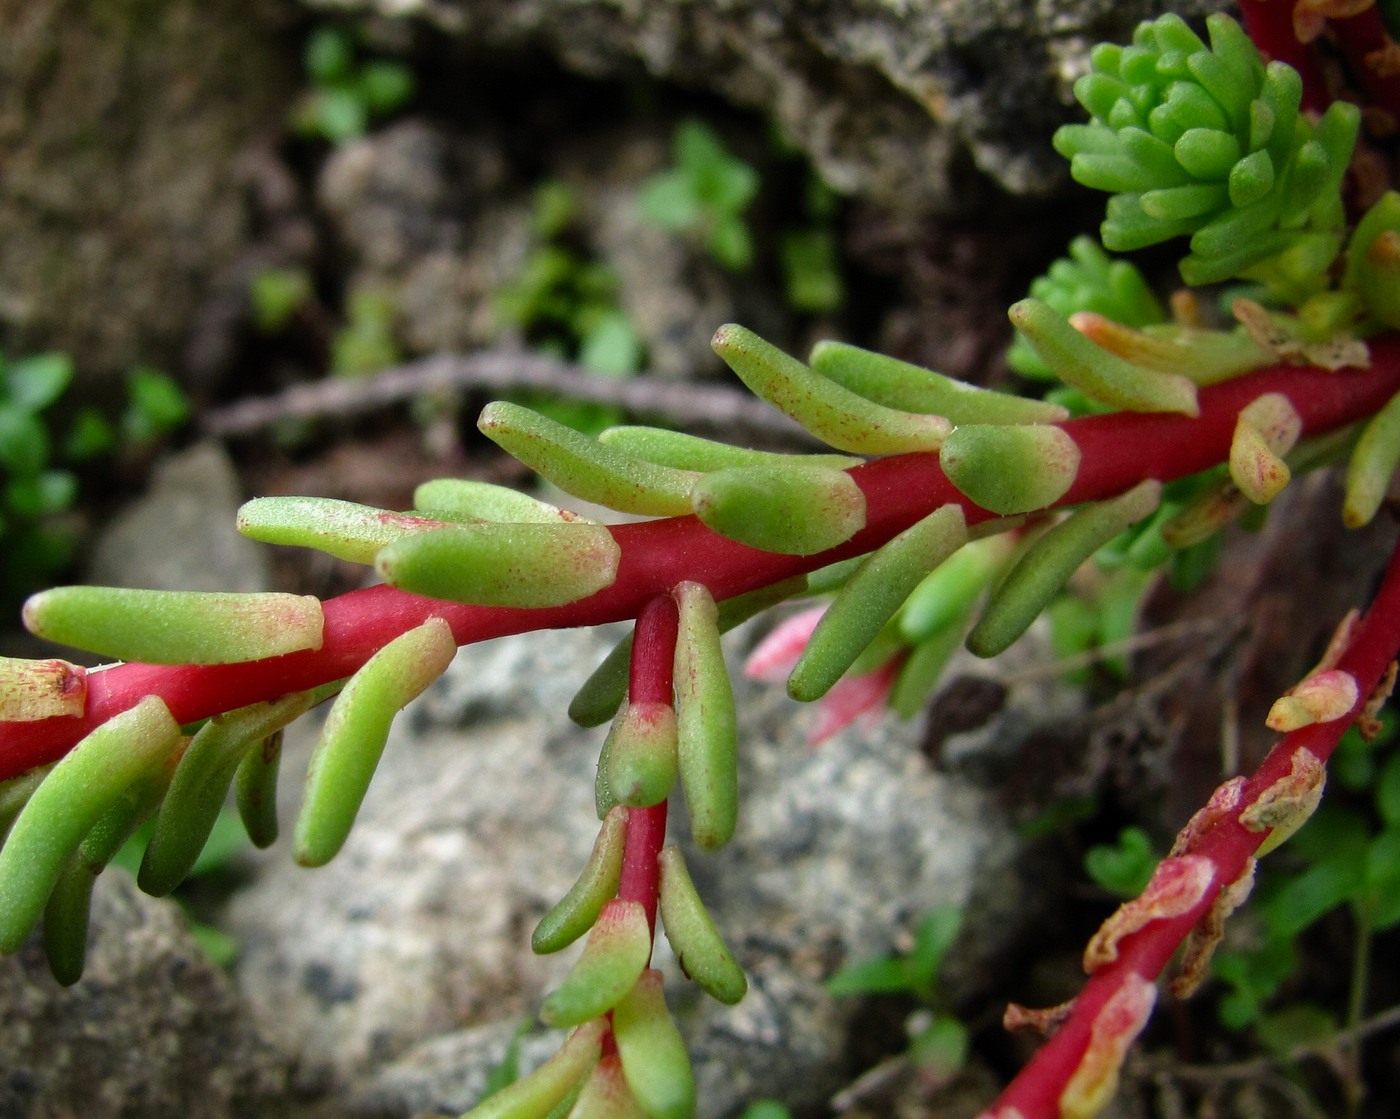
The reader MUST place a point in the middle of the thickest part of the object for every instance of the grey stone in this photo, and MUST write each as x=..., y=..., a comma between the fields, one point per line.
x=398, y=971
x=122, y=205
x=152, y=1029
x=181, y=534
x=889, y=98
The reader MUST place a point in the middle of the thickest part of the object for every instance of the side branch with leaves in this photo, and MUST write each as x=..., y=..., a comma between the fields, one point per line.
x=942, y=513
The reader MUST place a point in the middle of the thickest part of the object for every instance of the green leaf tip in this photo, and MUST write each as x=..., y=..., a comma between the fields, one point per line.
x=834, y=414
x=703, y=955
x=585, y=467
x=654, y=1058
x=468, y=499
x=1373, y=259
x=40, y=689
x=1048, y=562
x=491, y=564
x=682, y=451
x=176, y=627
x=574, y=913
x=1011, y=469
x=912, y=388
x=1373, y=462
x=344, y=529
x=356, y=731
x=795, y=510
x=706, y=723
x=537, y=1095
x=131, y=746
x=871, y=597
x=614, y=956
x=1094, y=371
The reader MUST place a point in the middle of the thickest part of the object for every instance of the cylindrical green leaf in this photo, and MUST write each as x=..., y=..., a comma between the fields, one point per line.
x=66, y=922
x=40, y=689
x=255, y=790
x=176, y=627
x=583, y=466
x=835, y=415
x=493, y=564
x=1372, y=465
x=706, y=724
x=356, y=731
x=1011, y=469
x=617, y=950
x=639, y=765
x=66, y=912
x=702, y=953
x=536, y=1095
x=947, y=595
x=467, y=499
x=1048, y=563
x=1097, y=373
x=689, y=452
x=654, y=1059
x=343, y=529
x=574, y=913
x=1373, y=259
x=68, y=804
x=15, y=794
x=600, y=696
x=871, y=597
x=201, y=783
x=795, y=510
x=912, y=388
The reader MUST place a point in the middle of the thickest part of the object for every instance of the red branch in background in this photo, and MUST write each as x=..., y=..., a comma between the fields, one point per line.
x=1215, y=849
x=1293, y=31
x=1118, y=449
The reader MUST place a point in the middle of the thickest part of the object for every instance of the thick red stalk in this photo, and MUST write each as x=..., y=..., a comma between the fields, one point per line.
x=1036, y=1092
x=1366, y=45
x=1119, y=450
x=649, y=681
x=1269, y=23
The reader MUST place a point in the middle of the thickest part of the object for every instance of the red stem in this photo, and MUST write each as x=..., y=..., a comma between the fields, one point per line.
x=649, y=681
x=1036, y=1091
x=1119, y=450
x=1269, y=23
x=1363, y=41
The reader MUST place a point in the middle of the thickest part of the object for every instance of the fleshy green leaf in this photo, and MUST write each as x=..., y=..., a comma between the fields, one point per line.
x=176, y=627
x=493, y=564
x=703, y=955
x=795, y=510
x=355, y=732
x=574, y=913
x=835, y=415
x=1010, y=469
x=612, y=960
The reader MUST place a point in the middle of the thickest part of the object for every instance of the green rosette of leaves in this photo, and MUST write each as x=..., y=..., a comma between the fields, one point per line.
x=1206, y=141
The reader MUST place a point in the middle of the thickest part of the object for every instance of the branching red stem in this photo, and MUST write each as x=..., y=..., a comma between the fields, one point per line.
x=1036, y=1092
x=1119, y=450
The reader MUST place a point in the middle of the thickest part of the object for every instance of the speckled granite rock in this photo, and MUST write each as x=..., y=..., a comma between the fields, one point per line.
x=152, y=1030
x=399, y=970
x=122, y=205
